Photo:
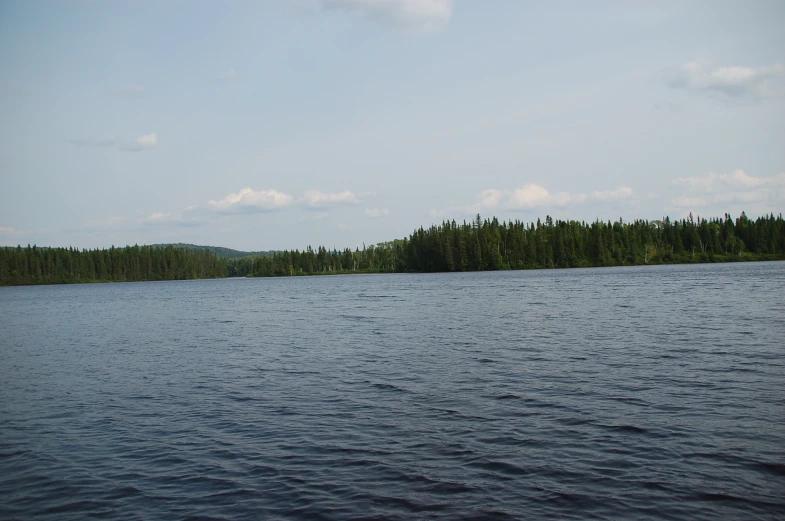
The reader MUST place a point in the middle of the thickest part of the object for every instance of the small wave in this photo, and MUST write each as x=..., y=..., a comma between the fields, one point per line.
x=718, y=496
x=775, y=469
x=357, y=318
x=82, y=505
x=406, y=504
x=657, y=485
x=388, y=387
x=123, y=492
x=12, y=453
x=534, y=402
x=242, y=398
x=508, y=441
x=234, y=494
x=501, y=467
x=574, y=499
x=449, y=487
x=631, y=429
x=575, y=421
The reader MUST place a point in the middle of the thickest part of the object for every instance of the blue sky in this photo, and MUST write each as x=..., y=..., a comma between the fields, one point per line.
x=282, y=124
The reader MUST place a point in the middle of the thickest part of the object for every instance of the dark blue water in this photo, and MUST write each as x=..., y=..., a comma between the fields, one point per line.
x=620, y=393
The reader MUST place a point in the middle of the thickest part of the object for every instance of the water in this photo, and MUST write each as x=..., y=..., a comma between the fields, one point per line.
x=619, y=393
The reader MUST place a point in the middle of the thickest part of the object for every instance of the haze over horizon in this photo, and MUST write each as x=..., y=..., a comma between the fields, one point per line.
x=278, y=125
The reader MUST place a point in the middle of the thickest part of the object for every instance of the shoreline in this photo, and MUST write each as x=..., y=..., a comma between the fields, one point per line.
x=745, y=259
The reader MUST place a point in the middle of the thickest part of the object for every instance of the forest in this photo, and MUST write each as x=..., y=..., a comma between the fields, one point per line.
x=34, y=265
x=219, y=251
x=482, y=244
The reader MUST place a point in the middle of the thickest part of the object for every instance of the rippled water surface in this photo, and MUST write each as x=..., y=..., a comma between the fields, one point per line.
x=619, y=393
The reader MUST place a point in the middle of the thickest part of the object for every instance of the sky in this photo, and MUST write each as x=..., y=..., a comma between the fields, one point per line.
x=280, y=124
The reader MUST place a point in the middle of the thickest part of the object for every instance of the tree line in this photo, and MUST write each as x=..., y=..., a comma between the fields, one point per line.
x=490, y=244
x=34, y=265
x=481, y=244
x=219, y=251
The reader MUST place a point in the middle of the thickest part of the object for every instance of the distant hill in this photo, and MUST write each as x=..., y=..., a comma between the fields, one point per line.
x=218, y=251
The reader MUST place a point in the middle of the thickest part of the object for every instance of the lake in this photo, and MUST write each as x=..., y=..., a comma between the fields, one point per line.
x=612, y=393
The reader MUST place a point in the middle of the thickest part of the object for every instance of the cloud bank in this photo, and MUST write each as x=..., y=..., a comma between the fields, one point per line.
x=733, y=81
x=7, y=231
x=143, y=142
x=161, y=218
x=322, y=200
x=249, y=200
x=411, y=15
x=377, y=212
x=535, y=196
x=736, y=188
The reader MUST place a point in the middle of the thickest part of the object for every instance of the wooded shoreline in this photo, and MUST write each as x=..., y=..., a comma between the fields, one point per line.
x=480, y=245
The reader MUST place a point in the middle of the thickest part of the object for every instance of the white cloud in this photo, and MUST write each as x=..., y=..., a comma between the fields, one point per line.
x=529, y=196
x=317, y=199
x=248, y=200
x=756, y=82
x=622, y=192
x=7, y=231
x=143, y=142
x=414, y=15
x=11, y=235
x=147, y=140
x=736, y=188
x=685, y=201
x=377, y=212
x=487, y=200
x=713, y=182
x=245, y=201
x=94, y=142
x=192, y=216
x=534, y=196
x=159, y=217
x=490, y=198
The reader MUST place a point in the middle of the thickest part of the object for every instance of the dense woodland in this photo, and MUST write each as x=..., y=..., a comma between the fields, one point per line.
x=483, y=244
x=219, y=251
x=33, y=265
x=493, y=245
